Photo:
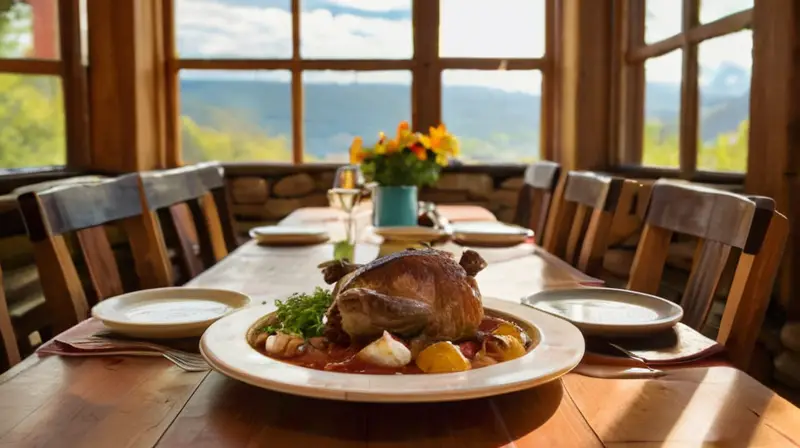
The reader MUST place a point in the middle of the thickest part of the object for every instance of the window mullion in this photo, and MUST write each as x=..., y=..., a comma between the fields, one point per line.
x=297, y=87
x=426, y=101
x=689, y=92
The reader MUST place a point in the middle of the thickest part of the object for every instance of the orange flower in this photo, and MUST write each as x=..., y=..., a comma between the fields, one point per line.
x=419, y=151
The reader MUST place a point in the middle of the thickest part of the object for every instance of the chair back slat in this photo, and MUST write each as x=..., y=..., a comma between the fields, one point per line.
x=535, y=197
x=7, y=330
x=700, y=212
x=100, y=262
x=175, y=223
x=709, y=262
x=74, y=207
x=209, y=229
x=720, y=220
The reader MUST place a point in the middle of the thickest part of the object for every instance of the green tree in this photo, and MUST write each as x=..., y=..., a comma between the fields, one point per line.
x=31, y=107
x=728, y=152
x=202, y=143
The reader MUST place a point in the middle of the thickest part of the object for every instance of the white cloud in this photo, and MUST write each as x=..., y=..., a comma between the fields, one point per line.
x=469, y=28
x=373, y=5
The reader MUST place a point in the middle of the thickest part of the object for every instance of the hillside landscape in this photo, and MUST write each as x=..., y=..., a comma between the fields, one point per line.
x=494, y=125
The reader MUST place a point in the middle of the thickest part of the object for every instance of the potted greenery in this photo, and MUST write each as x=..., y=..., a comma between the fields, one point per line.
x=400, y=166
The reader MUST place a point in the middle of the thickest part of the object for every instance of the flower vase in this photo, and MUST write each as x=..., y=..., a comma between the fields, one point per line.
x=395, y=206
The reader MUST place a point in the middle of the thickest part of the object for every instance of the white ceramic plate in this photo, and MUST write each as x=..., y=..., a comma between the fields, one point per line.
x=608, y=311
x=489, y=234
x=289, y=235
x=418, y=234
x=167, y=312
x=558, y=348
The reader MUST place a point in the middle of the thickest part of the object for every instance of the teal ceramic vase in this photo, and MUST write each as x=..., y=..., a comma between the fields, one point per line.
x=395, y=206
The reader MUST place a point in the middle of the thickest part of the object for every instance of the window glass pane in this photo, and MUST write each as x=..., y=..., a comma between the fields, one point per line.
x=31, y=121
x=29, y=29
x=724, y=95
x=662, y=110
x=662, y=19
x=356, y=29
x=234, y=29
x=236, y=115
x=341, y=105
x=711, y=10
x=500, y=28
x=494, y=114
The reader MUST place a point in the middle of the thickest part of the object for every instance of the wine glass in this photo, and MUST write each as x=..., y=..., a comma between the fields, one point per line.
x=348, y=184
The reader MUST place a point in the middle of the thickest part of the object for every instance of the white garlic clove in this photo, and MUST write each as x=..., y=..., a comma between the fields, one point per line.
x=386, y=352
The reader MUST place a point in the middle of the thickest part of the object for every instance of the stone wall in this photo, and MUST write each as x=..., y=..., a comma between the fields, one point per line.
x=265, y=194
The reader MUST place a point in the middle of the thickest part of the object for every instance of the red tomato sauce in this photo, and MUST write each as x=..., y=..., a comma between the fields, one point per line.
x=342, y=359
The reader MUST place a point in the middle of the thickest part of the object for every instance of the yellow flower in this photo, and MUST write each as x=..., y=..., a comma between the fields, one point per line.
x=402, y=130
x=442, y=159
x=380, y=148
x=443, y=142
x=392, y=146
x=357, y=151
x=425, y=141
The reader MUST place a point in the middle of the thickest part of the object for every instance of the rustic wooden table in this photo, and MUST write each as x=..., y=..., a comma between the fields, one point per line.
x=144, y=402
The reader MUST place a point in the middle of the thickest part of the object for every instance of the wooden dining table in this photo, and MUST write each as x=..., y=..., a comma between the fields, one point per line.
x=147, y=401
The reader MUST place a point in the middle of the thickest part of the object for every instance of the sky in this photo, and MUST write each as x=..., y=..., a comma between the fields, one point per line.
x=381, y=29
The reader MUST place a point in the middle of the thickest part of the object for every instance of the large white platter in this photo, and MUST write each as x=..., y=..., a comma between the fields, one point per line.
x=167, y=312
x=558, y=349
x=608, y=311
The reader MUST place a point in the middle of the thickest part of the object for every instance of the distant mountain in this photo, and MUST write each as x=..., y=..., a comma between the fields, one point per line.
x=484, y=118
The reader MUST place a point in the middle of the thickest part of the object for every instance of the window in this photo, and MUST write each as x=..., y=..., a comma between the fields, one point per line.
x=495, y=114
x=32, y=122
x=685, y=85
x=724, y=95
x=662, y=110
x=254, y=88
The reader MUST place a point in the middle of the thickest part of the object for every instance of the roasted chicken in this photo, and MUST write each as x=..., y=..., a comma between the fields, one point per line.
x=412, y=293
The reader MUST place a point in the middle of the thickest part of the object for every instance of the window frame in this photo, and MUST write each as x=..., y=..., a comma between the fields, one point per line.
x=425, y=65
x=632, y=53
x=72, y=73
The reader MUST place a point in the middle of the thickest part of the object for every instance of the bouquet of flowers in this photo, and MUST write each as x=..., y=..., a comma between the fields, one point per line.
x=410, y=159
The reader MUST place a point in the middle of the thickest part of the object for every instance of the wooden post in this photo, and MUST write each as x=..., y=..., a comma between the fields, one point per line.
x=127, y=85
x=427, y=79
x=773, y=162
x=584, y=68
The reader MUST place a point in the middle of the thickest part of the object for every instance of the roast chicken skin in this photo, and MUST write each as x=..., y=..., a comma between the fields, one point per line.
x=411, y=293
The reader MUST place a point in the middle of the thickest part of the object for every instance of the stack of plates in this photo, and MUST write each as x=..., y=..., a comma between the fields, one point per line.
x=489, y=234
x=289, y=235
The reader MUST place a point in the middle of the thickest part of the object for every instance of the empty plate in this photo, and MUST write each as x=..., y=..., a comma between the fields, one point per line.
x=490, y=234
x=167, y=312
x=415, y=234
x=607, y=311
x=289, y=235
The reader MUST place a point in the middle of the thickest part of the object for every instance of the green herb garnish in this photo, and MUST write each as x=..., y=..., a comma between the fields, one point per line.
x=301, y=314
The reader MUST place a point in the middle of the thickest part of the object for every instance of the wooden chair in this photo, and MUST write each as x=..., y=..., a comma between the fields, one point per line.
x=580, y=223
x=202, y=189
x=7, y=335
x=536, y=195
x=719, y=220
x=52, y=214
